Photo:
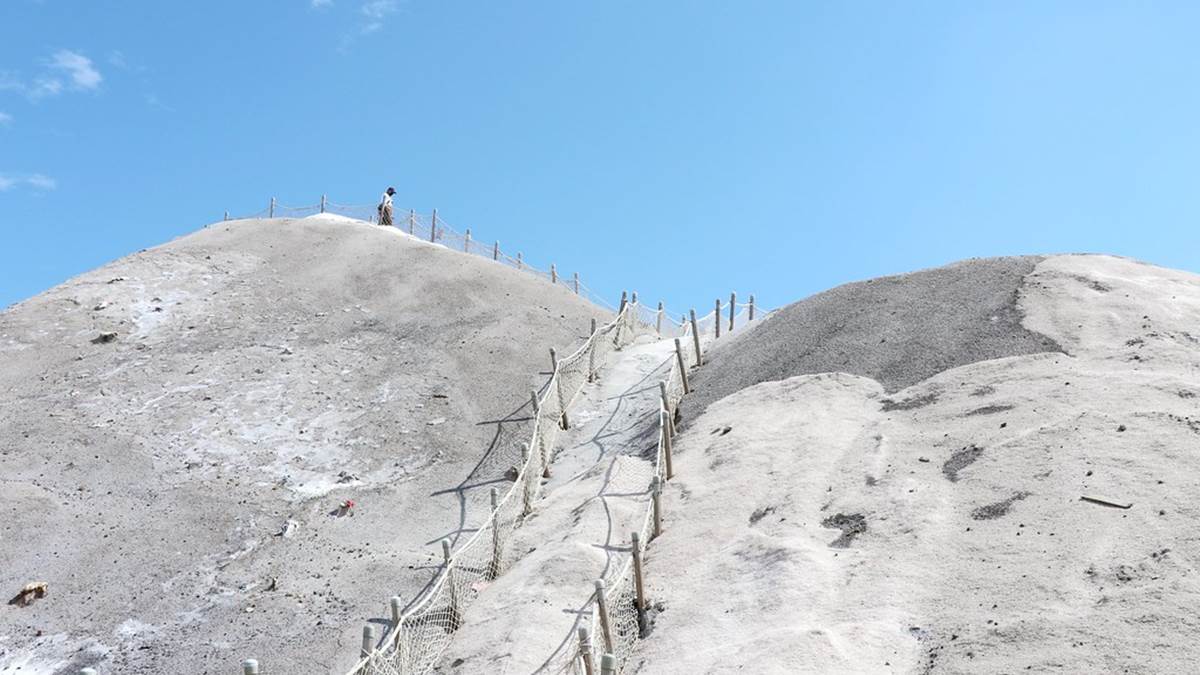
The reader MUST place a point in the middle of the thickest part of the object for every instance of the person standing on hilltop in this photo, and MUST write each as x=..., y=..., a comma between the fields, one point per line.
x=385, y=207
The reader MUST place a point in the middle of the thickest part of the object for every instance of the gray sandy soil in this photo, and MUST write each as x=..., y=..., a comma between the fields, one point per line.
x=896, y=330
x=841, y=526
x=177, y=483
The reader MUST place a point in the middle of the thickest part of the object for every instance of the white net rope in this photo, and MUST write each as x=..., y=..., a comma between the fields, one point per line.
x=424, y=631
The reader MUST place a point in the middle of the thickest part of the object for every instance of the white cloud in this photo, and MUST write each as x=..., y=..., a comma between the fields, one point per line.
x=5, y=118
x=378, y=9
x=41, y=182
x=83, y=73
x=317, y=4
x=43, y=87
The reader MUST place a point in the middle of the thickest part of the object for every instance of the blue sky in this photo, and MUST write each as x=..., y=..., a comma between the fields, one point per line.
x=680, y=149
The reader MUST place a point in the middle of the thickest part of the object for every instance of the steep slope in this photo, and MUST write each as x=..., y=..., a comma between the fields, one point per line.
x=841, y=525
x=179, y=428
x=896, y=330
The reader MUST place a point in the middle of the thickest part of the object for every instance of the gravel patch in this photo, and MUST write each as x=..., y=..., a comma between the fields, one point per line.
x=898, y=330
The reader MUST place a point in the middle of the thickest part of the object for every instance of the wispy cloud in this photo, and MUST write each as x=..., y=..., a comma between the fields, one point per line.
x=318, y=4
x=64, y=70
x=41, y=182
x=80, y=68
x=37, y=181
x=376, y=11
x=5, y=118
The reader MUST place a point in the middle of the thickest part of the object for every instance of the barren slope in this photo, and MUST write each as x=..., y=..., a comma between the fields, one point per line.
x=841, y=527
x=261, y=372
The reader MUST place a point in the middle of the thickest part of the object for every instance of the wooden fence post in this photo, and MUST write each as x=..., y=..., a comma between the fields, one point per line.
x=602, y=610
x=249, y=667
x=751, y=308
x=496, y=250
x=624, y=300
x=665, y=429
x=608, y=664
x=526, y=497
x=433, y=227
x=666, y=405
x=495, y=569
x=682, y=367
x=562, y=402
x=455, y=617
x=585, y=651
x=322, y=203
x=732, y=306
x=592, y=354
x=658, y=319
x=553, y=274
x=575, y=280
x=397, y=606
x=639, y=600
x=412, y=222
x=656, y=495
x=368, y=641
x=226, y=215
x=519, y=264
x=536, y=408
x=633, y=298
x=717, y=318
x=271, y=210
x=467, y=241
x=696, y=338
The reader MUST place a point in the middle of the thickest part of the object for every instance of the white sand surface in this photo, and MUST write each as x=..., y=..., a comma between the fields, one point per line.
x=839, y=528
x=260, y=372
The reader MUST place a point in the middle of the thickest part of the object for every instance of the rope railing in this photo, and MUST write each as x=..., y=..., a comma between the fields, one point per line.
x=419, y=635
x=434, y=229
x=615, y=615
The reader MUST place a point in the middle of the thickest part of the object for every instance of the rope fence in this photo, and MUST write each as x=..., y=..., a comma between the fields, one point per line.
x=616, y=613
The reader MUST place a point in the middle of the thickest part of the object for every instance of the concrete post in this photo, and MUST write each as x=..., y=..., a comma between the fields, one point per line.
x=249, y=667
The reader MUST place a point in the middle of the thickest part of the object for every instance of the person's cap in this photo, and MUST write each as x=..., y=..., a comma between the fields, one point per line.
x=391, y=191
